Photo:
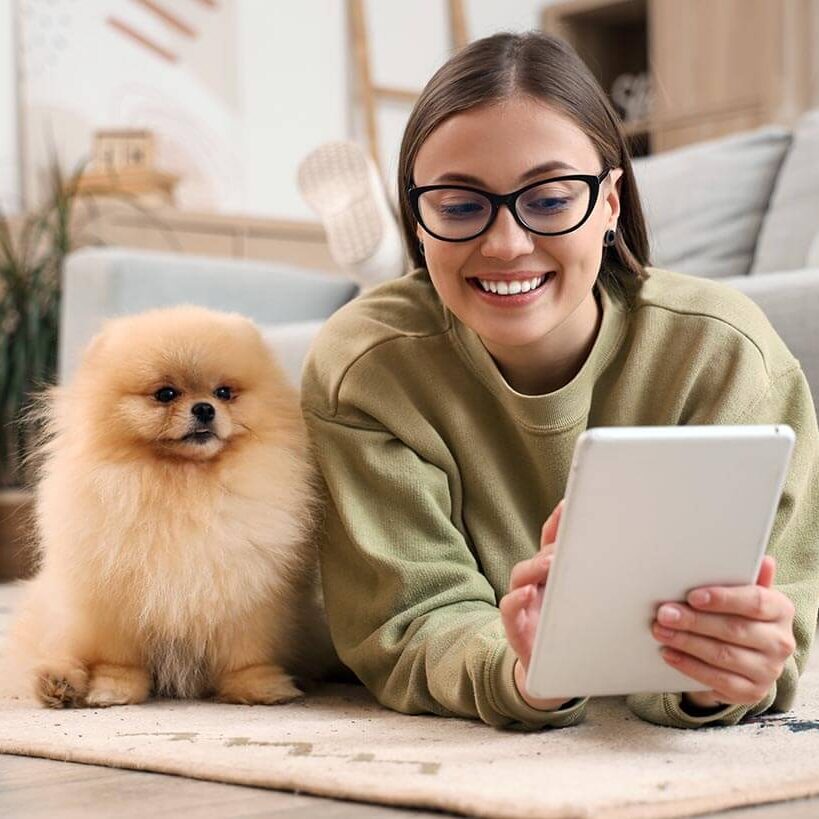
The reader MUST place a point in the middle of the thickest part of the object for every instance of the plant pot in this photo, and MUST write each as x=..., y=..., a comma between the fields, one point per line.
x=16, y=534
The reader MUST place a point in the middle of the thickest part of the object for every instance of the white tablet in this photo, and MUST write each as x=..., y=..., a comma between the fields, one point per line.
x=650, y=514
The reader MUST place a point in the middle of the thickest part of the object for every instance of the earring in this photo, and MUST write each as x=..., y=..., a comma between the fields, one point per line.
x=421, y=247
x=608, y=239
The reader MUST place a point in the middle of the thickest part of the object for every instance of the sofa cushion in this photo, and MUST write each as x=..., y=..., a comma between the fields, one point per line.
x=704, y=203
x=791, y=226
x=289, y=343
x=103, y=282
x=790, y=300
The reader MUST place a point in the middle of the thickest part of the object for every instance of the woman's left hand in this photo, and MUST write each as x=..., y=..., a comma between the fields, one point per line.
x=737, y=642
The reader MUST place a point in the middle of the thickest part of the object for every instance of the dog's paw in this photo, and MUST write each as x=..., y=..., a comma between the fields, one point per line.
x=62, y=685
x=117, y=685
x=257, y=685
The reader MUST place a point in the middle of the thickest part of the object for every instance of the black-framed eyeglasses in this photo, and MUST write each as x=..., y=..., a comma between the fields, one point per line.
x=548, y=207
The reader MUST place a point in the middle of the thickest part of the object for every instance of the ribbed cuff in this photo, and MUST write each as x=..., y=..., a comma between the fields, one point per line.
x=666, y=709
x=508, y=701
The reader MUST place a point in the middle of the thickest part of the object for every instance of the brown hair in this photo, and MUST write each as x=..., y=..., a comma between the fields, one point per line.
x=546, y=68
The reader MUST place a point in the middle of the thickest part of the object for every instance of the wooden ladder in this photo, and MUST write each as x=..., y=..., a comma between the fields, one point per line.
x=368, y=93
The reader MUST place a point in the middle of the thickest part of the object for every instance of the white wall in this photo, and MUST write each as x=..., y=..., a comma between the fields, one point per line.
x=9, y=152
x=82, y=75
x=409, y=42
x=264, y=83
x=293, y=83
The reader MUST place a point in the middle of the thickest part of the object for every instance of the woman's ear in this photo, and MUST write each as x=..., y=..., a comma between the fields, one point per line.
x=613, y=196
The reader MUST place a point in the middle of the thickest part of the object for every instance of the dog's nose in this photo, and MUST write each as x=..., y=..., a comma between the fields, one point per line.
x=203, y=411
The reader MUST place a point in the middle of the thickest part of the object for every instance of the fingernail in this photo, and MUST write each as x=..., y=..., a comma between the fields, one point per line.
x=669, y=614
x=700, y=598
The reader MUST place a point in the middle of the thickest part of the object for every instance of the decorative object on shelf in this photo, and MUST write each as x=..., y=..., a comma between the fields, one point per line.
x=123, y=162
x=124, y=149
x=632, y=95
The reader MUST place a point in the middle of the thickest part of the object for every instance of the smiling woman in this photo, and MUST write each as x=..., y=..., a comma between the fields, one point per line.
x=548, y=336
x=444, y=406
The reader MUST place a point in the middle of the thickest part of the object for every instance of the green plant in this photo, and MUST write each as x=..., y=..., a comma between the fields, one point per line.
x=31, y=259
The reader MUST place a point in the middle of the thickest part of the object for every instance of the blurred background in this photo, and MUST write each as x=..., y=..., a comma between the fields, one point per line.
x=150, y=154
x=232, y=93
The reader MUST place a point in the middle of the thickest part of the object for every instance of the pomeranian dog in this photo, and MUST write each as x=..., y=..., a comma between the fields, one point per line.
x=175, y=510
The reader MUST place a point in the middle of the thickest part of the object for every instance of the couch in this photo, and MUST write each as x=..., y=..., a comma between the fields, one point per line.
x=743, y=209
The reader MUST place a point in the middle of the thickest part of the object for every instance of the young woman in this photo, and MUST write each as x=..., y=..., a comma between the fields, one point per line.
x=444, y=407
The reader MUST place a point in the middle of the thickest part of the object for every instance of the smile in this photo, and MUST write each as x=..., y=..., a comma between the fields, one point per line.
x=519, y=291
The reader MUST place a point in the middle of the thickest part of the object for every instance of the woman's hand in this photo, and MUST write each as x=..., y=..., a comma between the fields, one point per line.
x=520, y=607
x=737, y=642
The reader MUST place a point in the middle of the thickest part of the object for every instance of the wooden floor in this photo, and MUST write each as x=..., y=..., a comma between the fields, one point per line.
x=32, y=788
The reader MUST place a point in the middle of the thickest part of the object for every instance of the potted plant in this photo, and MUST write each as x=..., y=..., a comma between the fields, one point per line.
x=31, y=258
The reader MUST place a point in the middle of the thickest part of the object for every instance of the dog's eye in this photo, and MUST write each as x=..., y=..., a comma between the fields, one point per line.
x=165, y=394
x=223, y=393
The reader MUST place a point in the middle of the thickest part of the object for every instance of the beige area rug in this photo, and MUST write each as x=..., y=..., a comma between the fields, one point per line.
x=340, y=743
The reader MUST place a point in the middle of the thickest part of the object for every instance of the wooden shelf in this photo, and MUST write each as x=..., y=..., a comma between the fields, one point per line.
x=715, y=67
x=611, y=37
x=135, y=182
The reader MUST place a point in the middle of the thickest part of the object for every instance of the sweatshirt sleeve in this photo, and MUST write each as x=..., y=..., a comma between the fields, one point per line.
x=794, y=542
x=408, y=608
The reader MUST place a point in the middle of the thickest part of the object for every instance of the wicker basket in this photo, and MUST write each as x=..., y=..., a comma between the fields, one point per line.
x=16, y=534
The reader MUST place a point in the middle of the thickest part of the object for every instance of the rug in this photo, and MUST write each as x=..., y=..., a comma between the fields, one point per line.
x=340, y=743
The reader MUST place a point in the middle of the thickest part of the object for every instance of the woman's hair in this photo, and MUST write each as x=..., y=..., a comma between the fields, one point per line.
x=548, y=69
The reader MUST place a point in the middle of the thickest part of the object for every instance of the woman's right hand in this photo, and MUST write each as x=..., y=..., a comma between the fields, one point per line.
x=520, y=607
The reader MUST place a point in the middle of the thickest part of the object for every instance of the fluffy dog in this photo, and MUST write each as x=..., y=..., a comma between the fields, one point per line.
x=175, y=510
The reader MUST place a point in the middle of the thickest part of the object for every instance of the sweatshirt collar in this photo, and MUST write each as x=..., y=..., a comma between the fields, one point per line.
x=563, y=407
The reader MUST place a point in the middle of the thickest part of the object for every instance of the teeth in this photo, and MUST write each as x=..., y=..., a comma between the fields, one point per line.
x=503, y=288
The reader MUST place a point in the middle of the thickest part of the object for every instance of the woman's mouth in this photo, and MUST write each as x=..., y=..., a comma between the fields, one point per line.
x=503, y=292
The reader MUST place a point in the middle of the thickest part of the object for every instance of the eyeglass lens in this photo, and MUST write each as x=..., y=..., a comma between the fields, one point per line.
x=552, y=207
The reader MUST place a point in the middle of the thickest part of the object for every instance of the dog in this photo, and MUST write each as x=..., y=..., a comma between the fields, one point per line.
x=176, y=505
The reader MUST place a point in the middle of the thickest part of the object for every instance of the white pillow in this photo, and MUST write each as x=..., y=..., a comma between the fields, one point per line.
x=812, y=259
x=704, y=203
x=290, y=342
x=792, y=220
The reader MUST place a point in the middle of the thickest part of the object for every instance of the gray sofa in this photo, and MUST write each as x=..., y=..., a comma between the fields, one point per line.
x=742, y=208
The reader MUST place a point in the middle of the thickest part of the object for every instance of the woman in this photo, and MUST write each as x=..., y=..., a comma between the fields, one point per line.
x=444, y=406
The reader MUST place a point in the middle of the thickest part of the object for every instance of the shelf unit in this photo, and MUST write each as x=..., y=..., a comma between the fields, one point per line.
x=715, y=67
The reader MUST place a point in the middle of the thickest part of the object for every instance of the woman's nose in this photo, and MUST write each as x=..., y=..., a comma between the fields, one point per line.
x=506, y=239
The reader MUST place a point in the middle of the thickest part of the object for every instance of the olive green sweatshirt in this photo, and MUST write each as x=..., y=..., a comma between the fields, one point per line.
x=439, y=476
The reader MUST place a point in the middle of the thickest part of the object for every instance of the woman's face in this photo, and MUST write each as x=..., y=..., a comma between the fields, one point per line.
x=497, y=148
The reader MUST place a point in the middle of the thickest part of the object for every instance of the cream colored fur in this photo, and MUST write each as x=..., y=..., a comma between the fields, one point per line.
x=170, y=567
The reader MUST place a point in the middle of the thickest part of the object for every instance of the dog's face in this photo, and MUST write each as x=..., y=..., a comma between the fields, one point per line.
x=181, y=382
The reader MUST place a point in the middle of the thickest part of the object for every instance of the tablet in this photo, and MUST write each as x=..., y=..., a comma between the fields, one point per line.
x=650, y=514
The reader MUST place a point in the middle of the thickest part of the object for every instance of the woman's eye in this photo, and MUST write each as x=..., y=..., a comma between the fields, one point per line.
x=547, y=204
x=460, y=210
x=223, y=393
x=165, y=394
